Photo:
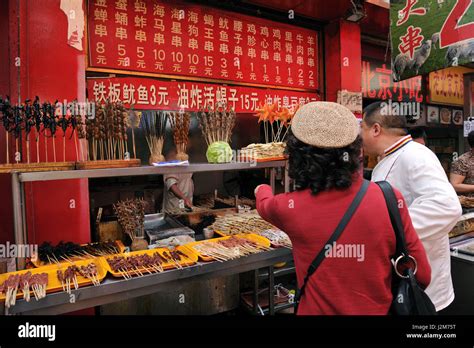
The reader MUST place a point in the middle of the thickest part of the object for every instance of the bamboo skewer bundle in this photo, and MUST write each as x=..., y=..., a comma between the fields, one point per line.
x=134, y=121
x=45, y=119
x=231, y=224
x=229, y=249
x=131, y=216
x=106, y=133
x=180, y=126
x=154, y=127
x=217, y=124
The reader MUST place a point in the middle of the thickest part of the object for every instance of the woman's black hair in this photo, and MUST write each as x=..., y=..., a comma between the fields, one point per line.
x=322, y=169
x=470, y=139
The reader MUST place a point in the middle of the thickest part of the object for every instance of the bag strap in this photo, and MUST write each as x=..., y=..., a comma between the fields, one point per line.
x=336, y=234
x=395, y=218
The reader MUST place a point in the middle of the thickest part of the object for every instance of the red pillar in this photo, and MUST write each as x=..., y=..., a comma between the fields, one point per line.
x=342, y=58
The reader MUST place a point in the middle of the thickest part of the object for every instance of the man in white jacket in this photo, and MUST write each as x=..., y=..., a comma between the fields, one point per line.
x=417, y=173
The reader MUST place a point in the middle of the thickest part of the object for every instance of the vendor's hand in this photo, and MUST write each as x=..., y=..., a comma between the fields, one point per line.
x=188, y=203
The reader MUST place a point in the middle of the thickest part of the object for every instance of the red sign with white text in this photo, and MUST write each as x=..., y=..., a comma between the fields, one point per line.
x=151, y=94
x=377, y=84
x=183, y=39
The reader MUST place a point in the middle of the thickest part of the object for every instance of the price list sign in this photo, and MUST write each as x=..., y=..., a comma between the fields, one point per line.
x=146, y=93
x=187, y=40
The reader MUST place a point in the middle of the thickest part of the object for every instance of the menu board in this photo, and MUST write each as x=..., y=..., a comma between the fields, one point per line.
x=446, y=86
x=147, y=93
x=182, y=39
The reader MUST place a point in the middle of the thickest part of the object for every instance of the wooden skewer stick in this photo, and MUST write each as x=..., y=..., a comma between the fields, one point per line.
x=133, y=143
x=16, y=149
x=46, y=147
x=8, y=146
x=14, y=296
x=54, y=148
x=138, y=270
x=76, y=148
x=37, y=150
x=124, y=273
x=35, y=292
x=28, y=149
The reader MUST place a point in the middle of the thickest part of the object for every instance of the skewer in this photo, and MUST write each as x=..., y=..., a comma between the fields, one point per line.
x=28, y=149
x=54, y=148
x=16, y=149
x=37, y=149
x=8, y=152
x=46, y=148
x=138, y=270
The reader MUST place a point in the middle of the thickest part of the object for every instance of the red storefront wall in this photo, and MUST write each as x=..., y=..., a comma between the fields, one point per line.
x=50, y=69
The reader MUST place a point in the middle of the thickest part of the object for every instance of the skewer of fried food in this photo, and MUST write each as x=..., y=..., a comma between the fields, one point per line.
x=59, y=275
x=147, y=268
x=209, y=253
x=138, y=270
x=34, y=291
x=129, y=272
x=74, y=278
x=160, y=267
x=124, y=274
x=67, y=259
x=175, y=261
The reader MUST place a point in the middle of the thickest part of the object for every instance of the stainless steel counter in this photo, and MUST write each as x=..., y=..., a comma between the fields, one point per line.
x=117, y=289
x=145, y=170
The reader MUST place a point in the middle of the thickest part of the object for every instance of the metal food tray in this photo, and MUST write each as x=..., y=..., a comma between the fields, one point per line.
x=467, y=249
x=161, y=226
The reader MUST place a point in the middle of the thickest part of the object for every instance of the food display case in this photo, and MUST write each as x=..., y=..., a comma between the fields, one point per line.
x=127, y=276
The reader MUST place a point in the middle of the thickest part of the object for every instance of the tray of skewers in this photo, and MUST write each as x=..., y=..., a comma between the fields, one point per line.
x=277, y=238
x=230, y=247
x=69, y=276
x=230, y=224
x=49, y=254
x=37, y=282
x=139, y=263
x=27, y=284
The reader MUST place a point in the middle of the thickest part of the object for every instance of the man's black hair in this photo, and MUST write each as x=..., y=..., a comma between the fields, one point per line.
x=417, y=132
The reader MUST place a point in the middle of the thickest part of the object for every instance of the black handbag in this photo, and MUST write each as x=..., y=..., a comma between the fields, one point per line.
x=408, y=297
x=336, y=234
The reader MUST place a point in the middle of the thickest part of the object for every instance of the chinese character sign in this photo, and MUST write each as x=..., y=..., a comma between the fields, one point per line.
x=176, y=38
x=150, y=94
x=429, y=35
x=447, y=85
x=377, y=84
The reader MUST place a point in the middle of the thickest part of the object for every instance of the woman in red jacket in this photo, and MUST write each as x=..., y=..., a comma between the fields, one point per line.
x=324, y=153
